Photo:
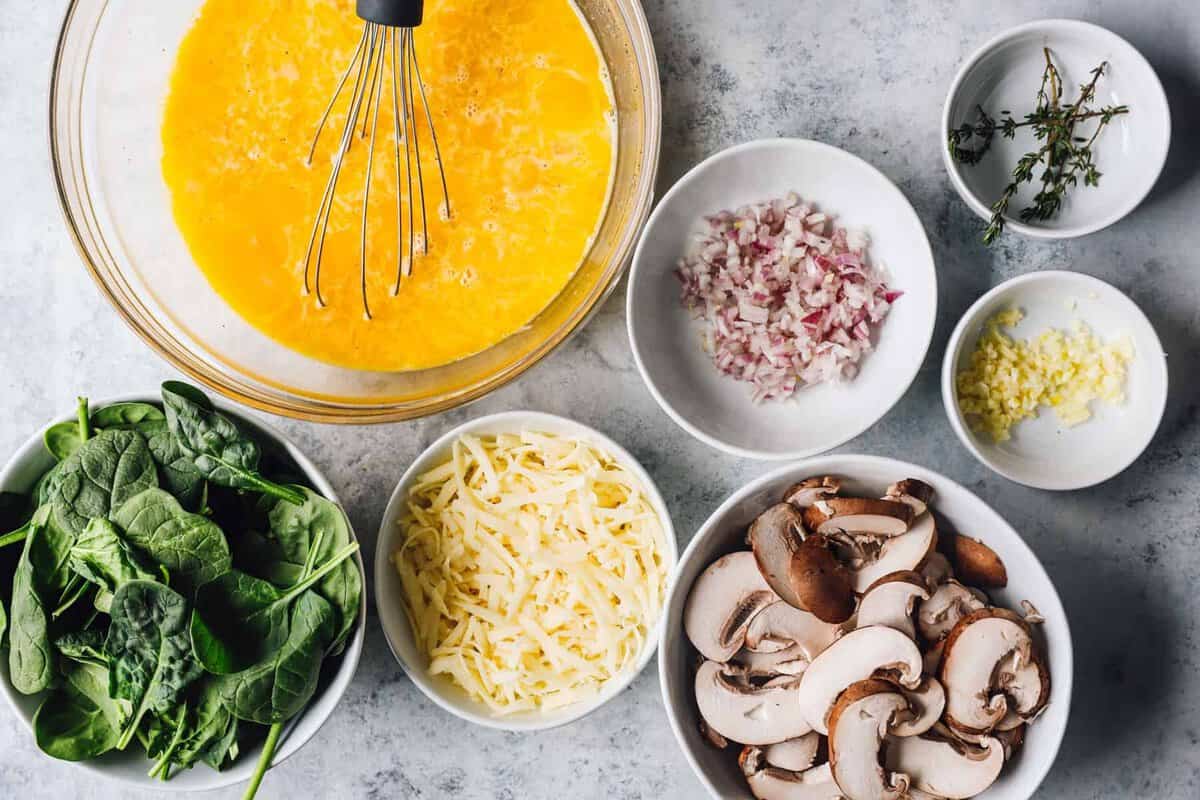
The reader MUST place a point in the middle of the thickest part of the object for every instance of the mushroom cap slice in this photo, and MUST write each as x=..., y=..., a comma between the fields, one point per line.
x=936, y=569
x=991, y=665
x=722, y=602
x=891, y=600
x=975, y=563
x=903, y=552
x=912, y=492
x=949, y=603
x=745, y=713
x=796, y=754
x=932, y=659
x=791, y=660
x=774, y=536
x=810, y=490
x=773, y=783
x=801, y=628
x=858, y=515
x=821, y=582
x=856, y=656
x=927, y=702
x=858, y=725
x=946, y=767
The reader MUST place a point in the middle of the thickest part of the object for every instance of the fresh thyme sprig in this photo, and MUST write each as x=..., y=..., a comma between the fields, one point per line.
x=1065, y=154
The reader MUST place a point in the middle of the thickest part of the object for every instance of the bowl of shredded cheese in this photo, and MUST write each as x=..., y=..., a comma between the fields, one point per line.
x=1055, y=380
x=521, y=569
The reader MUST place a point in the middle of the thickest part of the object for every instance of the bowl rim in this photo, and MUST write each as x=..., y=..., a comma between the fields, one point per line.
x=637, y=268
x=970, y=319
x=846, y=463
x=391, y=618
x=1153, y=90
x=242, y=388
x=290, y=743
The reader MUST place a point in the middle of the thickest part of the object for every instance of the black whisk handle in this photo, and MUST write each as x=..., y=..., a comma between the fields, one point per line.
x=393, y=13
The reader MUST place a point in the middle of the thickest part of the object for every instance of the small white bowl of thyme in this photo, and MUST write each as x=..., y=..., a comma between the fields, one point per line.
x=1054, y=129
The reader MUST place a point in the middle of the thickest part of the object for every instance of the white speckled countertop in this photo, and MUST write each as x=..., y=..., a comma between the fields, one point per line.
x=866, y=76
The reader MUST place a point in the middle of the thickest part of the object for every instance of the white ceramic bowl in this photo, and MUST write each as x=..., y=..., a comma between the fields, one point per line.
x=1004, y=74
x=666, y=341
x=724, y=532
x=1042, y=453
x=130, y=767
x=389, y=593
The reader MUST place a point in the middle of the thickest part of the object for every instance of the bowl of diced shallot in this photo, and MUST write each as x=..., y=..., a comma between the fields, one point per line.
x=782, y=299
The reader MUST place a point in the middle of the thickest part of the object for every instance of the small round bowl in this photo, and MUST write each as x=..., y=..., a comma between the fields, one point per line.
x=111, y=75
x=666, y=341
x=130, y=767
x=1042, y=453
x=1004, y=74
x=389, y=593
x=725, y=531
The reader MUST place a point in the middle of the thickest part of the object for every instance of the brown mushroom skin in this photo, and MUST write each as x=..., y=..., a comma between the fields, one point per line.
x=821, y=581
x=851, y=695
x=913, y=492
x=974, y=562
x=808, y=491
x=774, y=537
x=830, y=509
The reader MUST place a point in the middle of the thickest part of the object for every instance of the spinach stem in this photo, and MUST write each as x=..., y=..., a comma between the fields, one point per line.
x=75, y=589
x=264, y=760
x=85, y=422
x=16, y=536
x=319, y=573
x=285, y=493
x=162, y=769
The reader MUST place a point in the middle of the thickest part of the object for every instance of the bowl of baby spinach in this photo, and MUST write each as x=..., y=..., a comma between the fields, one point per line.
x=181, y=596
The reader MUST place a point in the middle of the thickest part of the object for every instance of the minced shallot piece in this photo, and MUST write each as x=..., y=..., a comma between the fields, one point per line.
x=787, y=298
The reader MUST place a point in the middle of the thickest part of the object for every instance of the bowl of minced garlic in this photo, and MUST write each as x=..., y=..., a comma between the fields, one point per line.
x=521, y=570
x=1055, y=380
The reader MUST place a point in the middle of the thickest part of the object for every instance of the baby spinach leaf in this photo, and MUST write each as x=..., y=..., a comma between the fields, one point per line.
x=125, y=416
x=311, y=533
x=101, y=475
x=43, y=489
x=240, y=620
x=277, y=689
x=30, y=654
x=264, y=558
x=62, y=440
x=190, y=546
x=219, y=449
x=79, y=720
x=208, y=731
x=102, y=557
x=177, y=473
x=86, y=646
x=148, y=650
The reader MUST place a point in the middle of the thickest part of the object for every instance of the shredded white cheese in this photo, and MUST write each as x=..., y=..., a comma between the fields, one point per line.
x=533, y=568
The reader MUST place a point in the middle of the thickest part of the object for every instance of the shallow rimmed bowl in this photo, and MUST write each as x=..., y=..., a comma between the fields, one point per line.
x=666, y=341
x=130, y=767
x=1042, y=453
x=389, y=593
x=1004, y=74
x=724, y=532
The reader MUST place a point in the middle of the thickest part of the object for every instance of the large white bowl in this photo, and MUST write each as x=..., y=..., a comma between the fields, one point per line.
x=130, y=767
x=1042, y=453
x=725, y=531
x=666, y=341
x=389, y=593
x=1004, y=74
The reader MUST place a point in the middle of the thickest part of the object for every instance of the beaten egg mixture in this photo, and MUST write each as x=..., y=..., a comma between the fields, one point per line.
x=523, y=112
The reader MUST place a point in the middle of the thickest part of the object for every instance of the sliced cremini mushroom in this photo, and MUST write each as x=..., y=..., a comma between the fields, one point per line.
x=946, y=766
x=949, y=603
x=722, y=603
x=796, y=754
x=774, y=536
x=931, y=659
x=858, y=725
x=854, y=657
x=891, y=600
x=992, y=666
x=821, y=582
x=927, y=702
x=810, y=490
x=791, y=660
x=902, y=552
x=782, y=622
x=913, y=493
x=745, y=713
x=1011, y=738
x=975, y=563
x=858, y=515
x=712, y=737
x=936, y=569
x=772, y=783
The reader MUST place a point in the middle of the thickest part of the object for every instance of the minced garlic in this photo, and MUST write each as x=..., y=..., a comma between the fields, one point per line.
x=1007, y=380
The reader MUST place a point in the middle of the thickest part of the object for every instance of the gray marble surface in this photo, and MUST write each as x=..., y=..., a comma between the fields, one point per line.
x=869, y=77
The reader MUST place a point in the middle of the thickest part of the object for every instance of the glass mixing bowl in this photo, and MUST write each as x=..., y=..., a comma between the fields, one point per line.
x=111, y=73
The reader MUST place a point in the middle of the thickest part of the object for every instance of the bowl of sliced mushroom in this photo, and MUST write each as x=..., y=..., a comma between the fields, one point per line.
x=860, y=628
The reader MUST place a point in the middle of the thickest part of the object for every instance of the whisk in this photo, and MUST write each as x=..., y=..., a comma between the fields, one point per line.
x=386, y=54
